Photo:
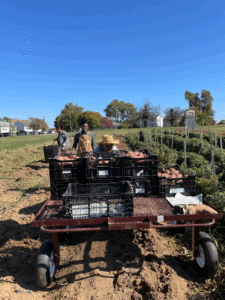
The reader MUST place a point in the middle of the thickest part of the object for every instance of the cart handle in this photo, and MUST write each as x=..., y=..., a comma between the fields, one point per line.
x=124, y=226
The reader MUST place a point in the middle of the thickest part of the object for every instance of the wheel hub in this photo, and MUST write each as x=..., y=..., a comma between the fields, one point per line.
x=201, y=258
x=52, y=265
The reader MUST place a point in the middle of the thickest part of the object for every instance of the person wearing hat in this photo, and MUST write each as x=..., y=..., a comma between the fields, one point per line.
x=107, y=144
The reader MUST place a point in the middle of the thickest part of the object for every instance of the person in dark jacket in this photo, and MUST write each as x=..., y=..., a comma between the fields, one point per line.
x=63, y=138
x=84, y=130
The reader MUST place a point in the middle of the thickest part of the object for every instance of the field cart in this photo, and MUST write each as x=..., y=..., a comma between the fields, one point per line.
x=148, y=212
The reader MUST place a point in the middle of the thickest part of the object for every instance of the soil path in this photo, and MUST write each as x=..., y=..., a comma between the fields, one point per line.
x=132, y=264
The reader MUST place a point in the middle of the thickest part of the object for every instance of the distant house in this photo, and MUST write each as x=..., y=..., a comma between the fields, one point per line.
x=7, y=128
x=156, y=121
x=222, y=122
x=23, y=125
x=115, y=124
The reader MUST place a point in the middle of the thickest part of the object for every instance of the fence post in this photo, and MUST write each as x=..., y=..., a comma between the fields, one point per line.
x=201, y=138
x=221, y=146
x=215, y=143
x=185, y=158
x=214, y=171
x=150, y=136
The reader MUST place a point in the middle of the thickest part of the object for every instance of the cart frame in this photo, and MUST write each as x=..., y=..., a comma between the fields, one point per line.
x=48, y=221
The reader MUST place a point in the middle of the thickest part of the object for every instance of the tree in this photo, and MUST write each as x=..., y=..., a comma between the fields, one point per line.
x=69, y=116
x=36, y=123
x=6, y=119
x=147, y=113
x=105, y=122
x=93, y=118
x=120, y=110
x=174, y=115
x=202, y=106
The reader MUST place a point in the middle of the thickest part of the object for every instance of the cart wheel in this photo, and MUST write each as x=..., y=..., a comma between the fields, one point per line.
x=208, y=260
x=45, y=269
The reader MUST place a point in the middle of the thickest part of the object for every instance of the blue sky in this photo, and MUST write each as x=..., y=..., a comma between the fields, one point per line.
x=91, y=52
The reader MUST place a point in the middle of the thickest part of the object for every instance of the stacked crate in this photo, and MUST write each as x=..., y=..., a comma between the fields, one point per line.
x=168, y=186
x=63, y=172
x=141, y=172
x=94, y=200
x=103, y=183
x=50, y=152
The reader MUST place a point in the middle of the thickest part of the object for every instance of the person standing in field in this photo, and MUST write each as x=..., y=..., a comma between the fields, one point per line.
x=63, y=138
x=83, y=140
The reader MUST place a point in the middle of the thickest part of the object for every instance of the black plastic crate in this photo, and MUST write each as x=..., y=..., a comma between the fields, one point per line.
x=142, y=187
x=68, y=170
x=136, y=168
x=50, y=152
x=77, y=190
x=103, y=167
x=78, y=203
x=170, y=186
x=57, y=189
x=108, y=155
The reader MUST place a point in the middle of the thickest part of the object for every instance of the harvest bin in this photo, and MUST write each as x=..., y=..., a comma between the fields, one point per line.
x=97, y=200
x=68, y=170
x=57, y=189
x=135, y=168
x=104, y=166
x=170, y=186
x=50, y=152
x=141, y=187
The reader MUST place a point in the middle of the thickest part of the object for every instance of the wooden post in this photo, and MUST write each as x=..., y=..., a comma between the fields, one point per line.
x=161, y=138
x=214, y=171
x=185, y=158
x=201, y=138
x=215, y=143
x=150, y=139
x=221, y=145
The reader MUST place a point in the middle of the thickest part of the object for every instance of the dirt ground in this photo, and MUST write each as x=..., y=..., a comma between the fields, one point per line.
x=132, y=264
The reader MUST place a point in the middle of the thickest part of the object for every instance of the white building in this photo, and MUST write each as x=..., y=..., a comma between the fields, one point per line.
x=23, y=125
x=115, y=124
x=156, y=121
x=7, y=128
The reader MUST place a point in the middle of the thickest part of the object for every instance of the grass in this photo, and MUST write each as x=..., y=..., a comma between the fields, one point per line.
x=16, y=142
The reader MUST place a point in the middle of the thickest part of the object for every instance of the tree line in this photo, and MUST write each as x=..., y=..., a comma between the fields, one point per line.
x=130, y=116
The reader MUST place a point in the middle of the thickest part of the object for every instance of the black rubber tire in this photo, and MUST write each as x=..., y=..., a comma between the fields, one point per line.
x=209, y=269
x=43, y=277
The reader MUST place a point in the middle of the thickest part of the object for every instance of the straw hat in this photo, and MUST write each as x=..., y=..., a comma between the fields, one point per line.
x=108, y=140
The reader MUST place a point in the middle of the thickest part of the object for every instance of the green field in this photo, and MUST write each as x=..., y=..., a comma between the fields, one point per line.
x=16, y=142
